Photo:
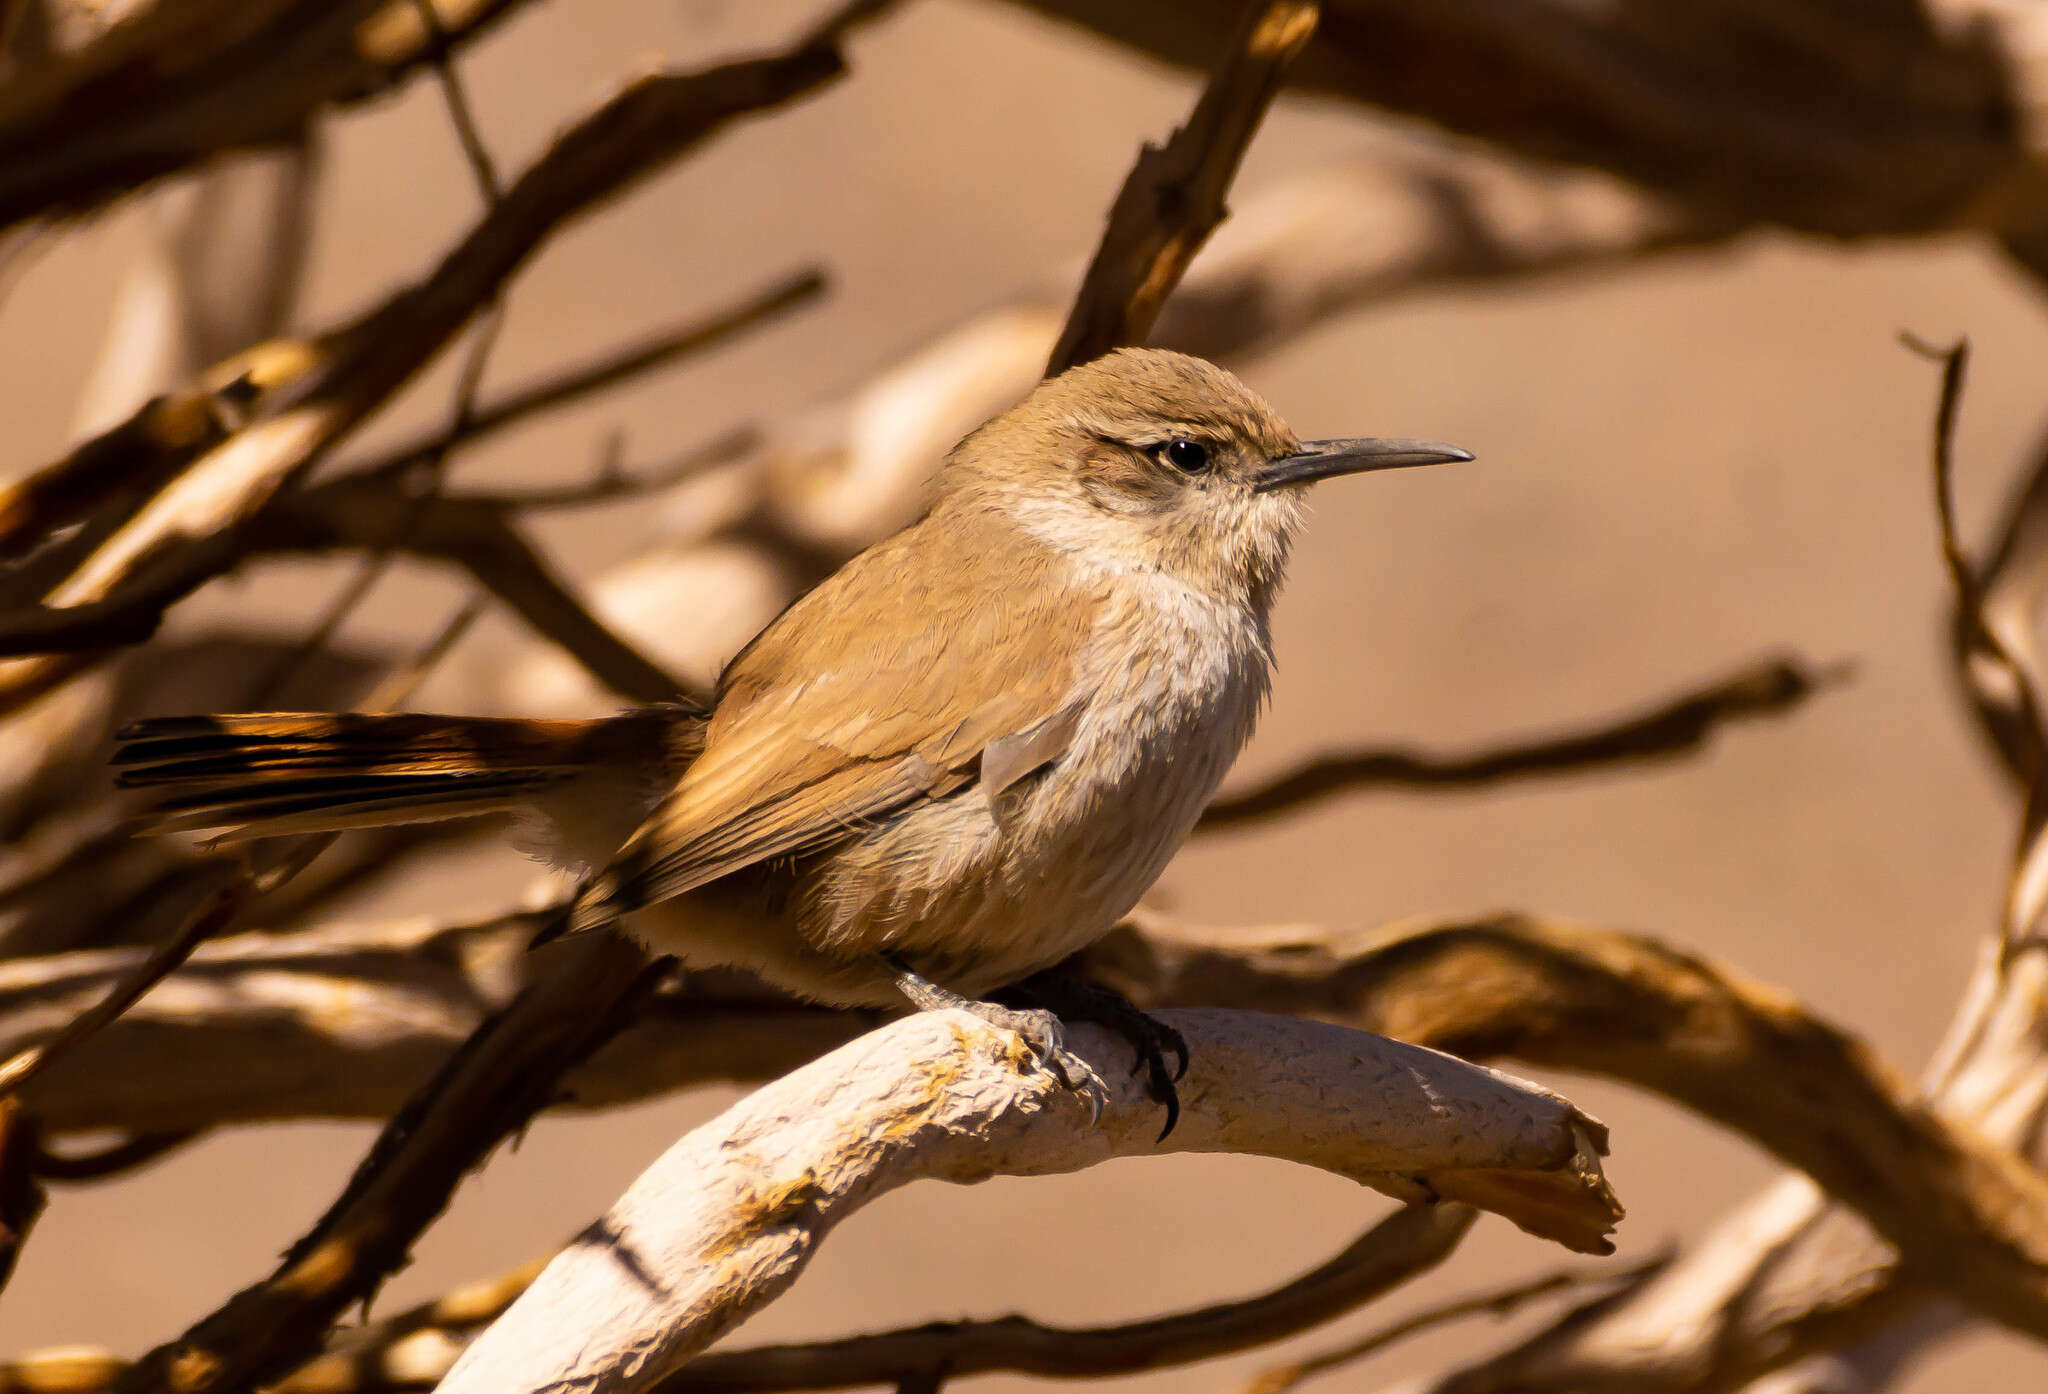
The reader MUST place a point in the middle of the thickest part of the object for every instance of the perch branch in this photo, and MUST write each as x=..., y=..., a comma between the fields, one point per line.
x=1677, y=727
x=726, y=1220
x=1558, y=995
x=1792, y=1278
x=1174, y=196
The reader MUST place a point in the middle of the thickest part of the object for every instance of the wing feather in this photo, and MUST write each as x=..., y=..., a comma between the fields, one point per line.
x=965, y=674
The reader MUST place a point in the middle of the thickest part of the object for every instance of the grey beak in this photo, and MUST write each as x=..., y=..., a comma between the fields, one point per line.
x=1321, y=459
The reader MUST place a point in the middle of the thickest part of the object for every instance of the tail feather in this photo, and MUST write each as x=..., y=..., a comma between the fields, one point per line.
x=270, y=773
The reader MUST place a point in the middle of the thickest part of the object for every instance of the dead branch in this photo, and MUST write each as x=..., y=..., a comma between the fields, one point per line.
x=504, y=1074
x=214, y=913
x=1500, y=1302
x=1406, y=1244
x=1846, y=122
x=1629, y=1008
x=726, y=1220
x=168, y=86
x=21, y=1197
x=1174, y=196
x=230, y=887
x=1792, y=1275
x=1553, y=994
x=1678, y=727
x=304, y=397
x=478, y=536
x=220, y=273
x=622, y=365
x=415, y=1349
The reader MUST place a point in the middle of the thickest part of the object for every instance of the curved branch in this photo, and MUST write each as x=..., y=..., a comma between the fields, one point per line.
x=728, y=1217
x=1969, y=1215
x=242, y=1032
x=1673, y=728
x=391, y=1353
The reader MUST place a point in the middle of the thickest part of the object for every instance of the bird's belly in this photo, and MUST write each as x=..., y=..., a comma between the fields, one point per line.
x=977, y=896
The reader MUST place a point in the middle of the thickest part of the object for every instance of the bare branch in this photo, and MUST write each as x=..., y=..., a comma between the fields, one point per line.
x=1554, y=994
x=1410, y=1242
x=476, y=535
x=1852, y=122
x=171, y=85
x=1500, y=1302
x=1674, y=728
x=581, y=380
x=415, y=1348
x=21, y=1198
x=1629, y=1008
x=728, y=1218
x=307, y=396
x=1174, y=196
x=215, y=911
x=488, y=1089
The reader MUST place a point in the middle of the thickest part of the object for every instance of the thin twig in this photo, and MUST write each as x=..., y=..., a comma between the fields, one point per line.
x=461, y=114
x=2027, y=884
x=580, y=380
x=1673, y=728
x=216, y=909
x=1398, y=1249
x=115, y=1159
x=308, y=395
x=1173, y=197
x=612, y=482
x=1500, y=1302
x=433, y=467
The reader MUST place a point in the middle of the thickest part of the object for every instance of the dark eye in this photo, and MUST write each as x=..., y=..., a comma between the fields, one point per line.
x=1187, y=456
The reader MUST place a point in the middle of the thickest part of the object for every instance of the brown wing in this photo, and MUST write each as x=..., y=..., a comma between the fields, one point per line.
x=881, y=688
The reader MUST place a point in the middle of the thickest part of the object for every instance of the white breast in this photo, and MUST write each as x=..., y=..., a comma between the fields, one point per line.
x=985, y=895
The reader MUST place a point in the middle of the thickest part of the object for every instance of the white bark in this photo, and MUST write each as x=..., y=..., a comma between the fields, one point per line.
x=727, y=1218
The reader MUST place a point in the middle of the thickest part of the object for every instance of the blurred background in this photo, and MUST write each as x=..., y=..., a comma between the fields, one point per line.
x=1686, y=462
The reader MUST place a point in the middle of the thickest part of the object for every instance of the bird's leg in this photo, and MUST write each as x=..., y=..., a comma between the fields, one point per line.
x=1076, y=998
x=1039, y=1028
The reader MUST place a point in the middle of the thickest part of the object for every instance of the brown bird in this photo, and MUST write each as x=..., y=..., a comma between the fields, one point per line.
x=958, y=760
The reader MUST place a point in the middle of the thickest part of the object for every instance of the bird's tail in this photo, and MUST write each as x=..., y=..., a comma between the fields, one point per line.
x=271, y=773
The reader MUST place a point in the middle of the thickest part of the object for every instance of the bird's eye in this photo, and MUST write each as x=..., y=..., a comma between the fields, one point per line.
x=1187, y=456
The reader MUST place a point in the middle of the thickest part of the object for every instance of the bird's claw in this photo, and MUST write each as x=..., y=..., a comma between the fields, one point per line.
x=1046, y=1039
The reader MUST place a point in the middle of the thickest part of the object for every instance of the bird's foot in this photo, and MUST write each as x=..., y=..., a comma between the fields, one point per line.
x=1079, y=999
x=1038, y=1028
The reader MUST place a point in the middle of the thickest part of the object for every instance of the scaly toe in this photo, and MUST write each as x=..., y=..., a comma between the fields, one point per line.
x=1077, y=1075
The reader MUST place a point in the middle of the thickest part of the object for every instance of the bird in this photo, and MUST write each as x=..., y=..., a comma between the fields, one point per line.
x=951, y=765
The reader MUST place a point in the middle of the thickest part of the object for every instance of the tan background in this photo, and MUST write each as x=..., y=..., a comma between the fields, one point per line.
x=1682, y=465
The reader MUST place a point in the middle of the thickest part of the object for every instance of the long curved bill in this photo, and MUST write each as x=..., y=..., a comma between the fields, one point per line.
x=1322, y=459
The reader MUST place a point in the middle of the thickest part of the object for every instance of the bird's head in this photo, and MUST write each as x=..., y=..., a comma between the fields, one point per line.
x=1157, y=461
